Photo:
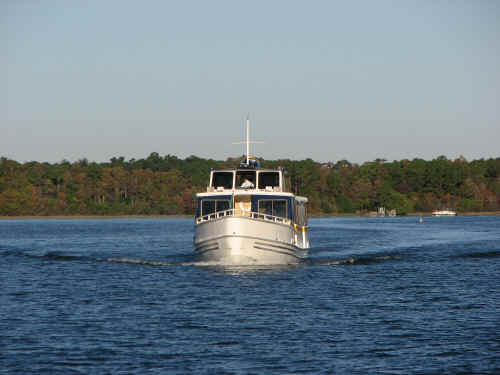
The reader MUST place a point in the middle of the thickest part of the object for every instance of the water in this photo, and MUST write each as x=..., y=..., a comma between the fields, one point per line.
x=377, y=296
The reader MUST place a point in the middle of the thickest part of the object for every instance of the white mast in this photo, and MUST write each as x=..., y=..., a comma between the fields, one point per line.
x=248, y=140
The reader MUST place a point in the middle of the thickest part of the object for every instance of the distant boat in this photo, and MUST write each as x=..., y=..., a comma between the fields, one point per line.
x=446, y=212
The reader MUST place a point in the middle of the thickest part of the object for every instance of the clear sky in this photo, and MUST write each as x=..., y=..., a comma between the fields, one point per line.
x=328, y=80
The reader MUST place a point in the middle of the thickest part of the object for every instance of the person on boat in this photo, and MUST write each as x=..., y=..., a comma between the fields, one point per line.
x=247, y=184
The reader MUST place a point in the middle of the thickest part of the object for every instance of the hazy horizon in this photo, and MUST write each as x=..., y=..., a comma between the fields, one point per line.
x=324, y=80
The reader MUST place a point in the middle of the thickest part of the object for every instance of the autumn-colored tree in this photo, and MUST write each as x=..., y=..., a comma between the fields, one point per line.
x=168, y=185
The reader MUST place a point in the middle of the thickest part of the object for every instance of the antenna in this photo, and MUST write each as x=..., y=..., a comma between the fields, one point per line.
x=247, y=142
x=248, y=139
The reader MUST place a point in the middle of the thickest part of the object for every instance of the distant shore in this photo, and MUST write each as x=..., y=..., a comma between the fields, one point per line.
x=480, y=213
x=412, y=214
x=76, y=217
x=83, y=217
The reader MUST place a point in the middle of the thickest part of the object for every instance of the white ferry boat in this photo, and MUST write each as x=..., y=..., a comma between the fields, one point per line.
x=444, y=213
x=246, y=218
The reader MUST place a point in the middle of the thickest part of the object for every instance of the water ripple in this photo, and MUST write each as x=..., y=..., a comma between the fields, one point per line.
x=375, y=296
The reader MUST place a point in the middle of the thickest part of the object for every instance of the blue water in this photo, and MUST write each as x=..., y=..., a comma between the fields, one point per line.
x=125, y=296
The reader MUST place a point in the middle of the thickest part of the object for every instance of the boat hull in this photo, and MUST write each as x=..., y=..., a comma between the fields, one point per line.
x=239, y=240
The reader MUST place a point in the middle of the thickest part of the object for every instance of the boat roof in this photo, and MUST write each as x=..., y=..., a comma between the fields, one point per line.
x=246, y=169
x=251, y=192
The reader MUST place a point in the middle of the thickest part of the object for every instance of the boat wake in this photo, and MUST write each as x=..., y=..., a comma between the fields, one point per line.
x=51, y=255
x=479, y=255
x=189, y=260
x=363, y=260
x=137, y=261
x=60, y=256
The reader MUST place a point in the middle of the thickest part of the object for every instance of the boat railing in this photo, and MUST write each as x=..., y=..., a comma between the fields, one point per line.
x=239, y=212
x=267, y=189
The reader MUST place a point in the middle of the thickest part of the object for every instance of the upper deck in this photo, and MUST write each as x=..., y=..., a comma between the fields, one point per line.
x=254, y=179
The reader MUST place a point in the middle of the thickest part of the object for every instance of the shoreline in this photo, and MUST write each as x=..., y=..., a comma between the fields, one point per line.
x=411, y=214
x=107, y=217
x=85, y=217
x=480, y=213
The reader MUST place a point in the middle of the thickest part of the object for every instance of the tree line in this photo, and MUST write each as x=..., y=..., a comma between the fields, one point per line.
x=167, y=185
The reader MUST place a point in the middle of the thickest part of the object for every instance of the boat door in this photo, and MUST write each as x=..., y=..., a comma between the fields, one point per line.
x=242, y=205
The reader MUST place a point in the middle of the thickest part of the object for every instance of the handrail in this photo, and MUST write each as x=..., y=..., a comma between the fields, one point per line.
x=275, y=189
x=239, y=212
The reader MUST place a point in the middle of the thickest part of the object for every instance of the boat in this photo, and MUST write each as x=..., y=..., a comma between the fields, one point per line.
x=445, y=212
x=246, y=217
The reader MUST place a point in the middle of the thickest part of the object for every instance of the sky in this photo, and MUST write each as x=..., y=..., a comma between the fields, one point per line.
x=326, y=80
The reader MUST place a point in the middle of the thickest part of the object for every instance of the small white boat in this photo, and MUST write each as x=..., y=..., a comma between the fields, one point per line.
x=444, y=213
x=247, y=218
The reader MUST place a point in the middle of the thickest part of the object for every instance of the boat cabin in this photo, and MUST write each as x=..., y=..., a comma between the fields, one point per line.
x=245, y=179
x=253, y=192
x=279, y=207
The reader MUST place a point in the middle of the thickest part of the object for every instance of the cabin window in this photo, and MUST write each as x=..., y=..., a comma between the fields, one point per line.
x=207, y=207
x=222, y=205
x=210, y=206
x=266, y=207
x=268, y=179
x=274, y=207
x=280, y=208
x=224, y=179
x=243, y=176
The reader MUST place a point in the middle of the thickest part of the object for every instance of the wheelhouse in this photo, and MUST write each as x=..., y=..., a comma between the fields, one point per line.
x=235, y=179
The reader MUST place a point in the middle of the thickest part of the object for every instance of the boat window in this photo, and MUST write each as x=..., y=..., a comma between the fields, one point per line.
x=279, y=208
x=224, y=179
x=266, y=207
x=210, y=206
x=207, y=207
x=274, y=207
x=222, y=205
x=268, y=179
x=243, y=176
